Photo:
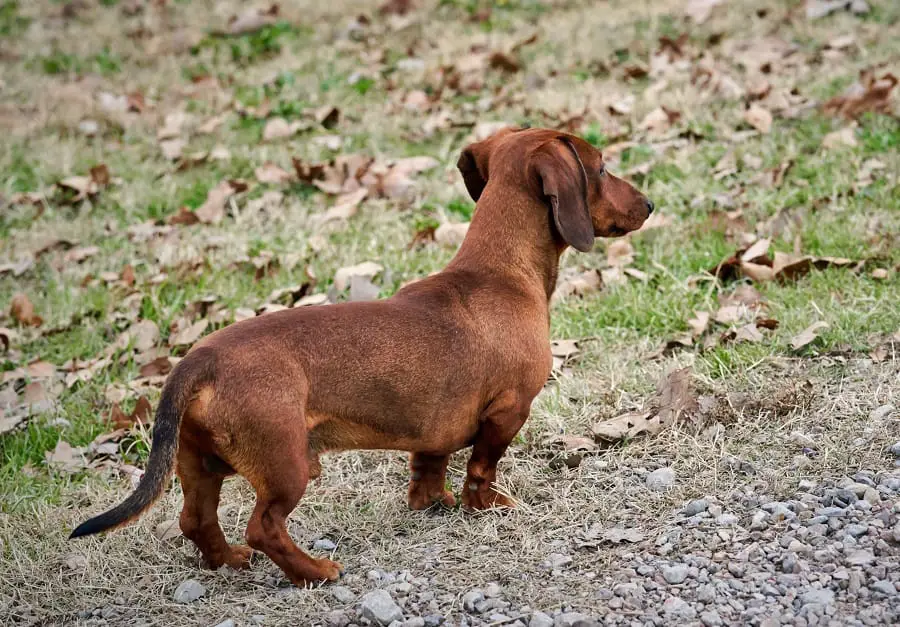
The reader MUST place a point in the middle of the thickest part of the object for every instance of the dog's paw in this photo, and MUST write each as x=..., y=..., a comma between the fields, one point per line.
x=331, y=571
x=482, y=498
x=239, y=559
x=420, y=499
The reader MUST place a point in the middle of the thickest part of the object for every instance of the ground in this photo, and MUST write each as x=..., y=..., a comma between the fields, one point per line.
x=783, y=498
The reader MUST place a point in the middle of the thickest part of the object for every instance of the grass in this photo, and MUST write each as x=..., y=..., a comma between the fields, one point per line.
x=52, y=86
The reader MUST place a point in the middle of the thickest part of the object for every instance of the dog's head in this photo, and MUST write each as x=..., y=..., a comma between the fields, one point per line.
x=566, y=173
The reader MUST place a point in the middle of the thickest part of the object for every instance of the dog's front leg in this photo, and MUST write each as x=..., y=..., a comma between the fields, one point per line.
x=499, y=425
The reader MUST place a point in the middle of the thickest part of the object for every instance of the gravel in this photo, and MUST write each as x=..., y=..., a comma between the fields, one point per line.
x=826, y=553
x=661, y=479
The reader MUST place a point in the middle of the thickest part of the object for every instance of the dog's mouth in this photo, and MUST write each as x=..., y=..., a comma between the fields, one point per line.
x=615, y=231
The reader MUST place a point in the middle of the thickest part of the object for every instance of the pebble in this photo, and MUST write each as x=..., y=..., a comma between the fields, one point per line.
x=471, y=598
x=188, y=591
x=539, y=619
x=711, y=618
x=661, y=479
x=884, y=587
x=895, y=449
x=226, y=623
x=675, y=574
x=859, y=558
x=378, y=607
x=695, y=507
x=342, y=594
x=570, y=619
x=726, y=520
x=820, y=596
x=678, y=608
x=324, y=544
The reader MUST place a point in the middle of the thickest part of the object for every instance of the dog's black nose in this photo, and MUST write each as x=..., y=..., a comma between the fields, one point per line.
x=650, y=205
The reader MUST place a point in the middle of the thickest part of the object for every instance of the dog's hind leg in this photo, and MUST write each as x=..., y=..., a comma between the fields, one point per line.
x=499, y=425
x=279, y=474
x=426, y=484
x=199, y=520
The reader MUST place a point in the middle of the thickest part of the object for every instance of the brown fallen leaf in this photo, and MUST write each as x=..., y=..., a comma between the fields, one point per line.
x=844, y=137
x=85, y=186
x=451, y=234
x=620, y=252
x=808, y=335
x=157, y=367
x=189, y=334
x=80, y=253
x=699, y=323
x=396, y=7
x=6, y=338
x=279, y=128
x=213, y=209
x=871, y=94
x=272, y=173
x=328, y=116
x=366, y=269
x=252, y=20
x=574, y=283
x=66, y=458
x=759, y=118
x=675, y=399
x=184, y=216
x=22, y=310
x=171, y=149
x=345, y=206
x=141, y=415
x=659, y=120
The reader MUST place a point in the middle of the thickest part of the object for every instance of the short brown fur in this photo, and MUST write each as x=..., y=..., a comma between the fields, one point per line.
x=450, y=361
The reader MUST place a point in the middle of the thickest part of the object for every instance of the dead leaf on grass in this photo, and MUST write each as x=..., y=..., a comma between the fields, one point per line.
x=22, y=310
x=620, y=253
x=759, y=118
x=141, y=415
x=279, y=128
x=157, y=367
x=213, y=209
x=189, y=333
x=659, y=120
x=808, y=335
x=675, y=399
x=66, y=458
x=86, y=186
x=252, y=20
x=272, y=173
x=871, y=94
x=366, y=269
x=700, y=10
x=451, y=234
x=844, y=137
x=345, y=206
x=574, y=283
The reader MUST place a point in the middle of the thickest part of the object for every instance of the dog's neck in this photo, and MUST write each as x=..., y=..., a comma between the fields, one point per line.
x=511, y=238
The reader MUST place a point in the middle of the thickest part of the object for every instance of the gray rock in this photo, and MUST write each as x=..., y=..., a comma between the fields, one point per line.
x=337, y=618
x=856, y=530
x=821, y=597
x=884, y=587
x=832, y=512
x=324, y=544
x=711, y=618
x=860, y=557
x=471, y=599
x=676, y=607
x=342, y=594
x=433, y=620
x=695, y=507
x=226, y=623
x=571, y=619
x=539, y=619
x=726, y=520
x=895, y=449
x=558, y=560
x=416, y=621
x=661, y=479
x=188, y=591
x=380, y=608
x=675, y=574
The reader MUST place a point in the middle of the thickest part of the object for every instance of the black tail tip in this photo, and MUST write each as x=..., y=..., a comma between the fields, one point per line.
x=87, y=528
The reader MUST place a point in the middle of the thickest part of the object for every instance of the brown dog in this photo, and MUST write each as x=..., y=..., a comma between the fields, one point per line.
x=451, y=361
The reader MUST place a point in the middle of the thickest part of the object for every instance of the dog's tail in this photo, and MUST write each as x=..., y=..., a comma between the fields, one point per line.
x=195, y=369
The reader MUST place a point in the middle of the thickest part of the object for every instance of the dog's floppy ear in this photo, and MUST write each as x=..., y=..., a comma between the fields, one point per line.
x=472, y=165
x=563, y=181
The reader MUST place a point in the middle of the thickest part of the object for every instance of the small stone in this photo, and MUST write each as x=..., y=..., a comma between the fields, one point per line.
x=758, y=522
x=434, y=620
x=859, y=557
x=737, y=569
x=471, y=599
x=884, y=587
x=661, y=479
x=856, y=530
x=695, y=507
x=416, y=621
x=871, y=496
x=337, y=618
x=324, y=544
x=605, y=594
x=675, y=574
x=539, y=619
x=226, y=623
x=492, y=590
x=882, y=412
x=832, y=512
x=726, y=520
x=711, y=618
x=570, y=619
x=342, y=594
x=678, y=608
x=895, y=449
x=378, y=607
x=822, y=597
x=188, y=591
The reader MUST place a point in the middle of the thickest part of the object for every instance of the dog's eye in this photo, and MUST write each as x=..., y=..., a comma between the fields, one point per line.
x=602, y=170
